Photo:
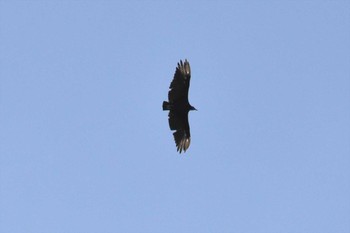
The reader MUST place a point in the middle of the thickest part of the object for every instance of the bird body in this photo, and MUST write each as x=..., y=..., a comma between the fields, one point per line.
x=179, y=106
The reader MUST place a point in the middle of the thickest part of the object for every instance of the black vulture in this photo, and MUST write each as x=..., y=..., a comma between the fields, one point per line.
x=179, y=106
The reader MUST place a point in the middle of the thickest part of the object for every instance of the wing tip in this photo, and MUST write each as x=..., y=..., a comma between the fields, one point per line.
x=183, y=145
x=184, y=67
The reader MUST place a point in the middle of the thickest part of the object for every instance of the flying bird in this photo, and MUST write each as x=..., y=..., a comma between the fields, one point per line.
x=179, y=106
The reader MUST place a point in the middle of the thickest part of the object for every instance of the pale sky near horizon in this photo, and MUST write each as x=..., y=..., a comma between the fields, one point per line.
x=86, y=147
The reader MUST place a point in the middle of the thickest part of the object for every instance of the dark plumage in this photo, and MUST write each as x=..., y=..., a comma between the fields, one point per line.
x=179, y=106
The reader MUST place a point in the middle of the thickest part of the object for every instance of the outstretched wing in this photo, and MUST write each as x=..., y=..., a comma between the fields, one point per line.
x=182, y=134
x=181, y=83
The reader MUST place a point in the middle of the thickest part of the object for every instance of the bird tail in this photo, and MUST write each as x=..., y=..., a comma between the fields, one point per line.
x=166, y=106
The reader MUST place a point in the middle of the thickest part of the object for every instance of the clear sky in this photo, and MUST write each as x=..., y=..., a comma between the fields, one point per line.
x=86, y=147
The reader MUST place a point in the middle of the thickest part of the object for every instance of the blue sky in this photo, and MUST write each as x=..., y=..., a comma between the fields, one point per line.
x=85, y=146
